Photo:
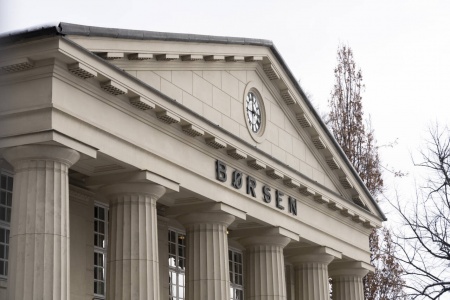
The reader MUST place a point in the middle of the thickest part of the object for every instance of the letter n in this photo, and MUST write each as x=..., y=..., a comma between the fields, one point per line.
x=292, y=205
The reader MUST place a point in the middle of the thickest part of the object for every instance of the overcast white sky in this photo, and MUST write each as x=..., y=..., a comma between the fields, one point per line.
x=402, y=47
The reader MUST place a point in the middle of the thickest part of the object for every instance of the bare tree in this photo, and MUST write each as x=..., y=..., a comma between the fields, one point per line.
x=424, y=239
x=346, y=120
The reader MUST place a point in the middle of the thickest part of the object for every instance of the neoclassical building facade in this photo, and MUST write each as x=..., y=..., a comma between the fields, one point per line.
x=148, y=165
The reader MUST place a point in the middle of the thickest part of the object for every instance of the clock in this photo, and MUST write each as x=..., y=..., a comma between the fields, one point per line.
x=254, y=113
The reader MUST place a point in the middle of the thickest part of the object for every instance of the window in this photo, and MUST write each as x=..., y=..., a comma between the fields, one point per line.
x=6, y=187
x=236, y=275
x=100, y=249
x=177, y=265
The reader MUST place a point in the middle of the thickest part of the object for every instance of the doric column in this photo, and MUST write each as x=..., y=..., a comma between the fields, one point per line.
x=207, y=269
x=133, y=265
x=347, y=279
x=311, y=272
x=39, y=261
x=265, y=273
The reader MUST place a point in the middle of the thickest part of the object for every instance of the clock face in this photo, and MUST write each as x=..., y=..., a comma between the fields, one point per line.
x=253, y=109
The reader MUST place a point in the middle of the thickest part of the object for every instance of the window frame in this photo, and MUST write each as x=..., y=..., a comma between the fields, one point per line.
x=232, y=265
x=176, y=269
x=6, y=225
x=101, y=250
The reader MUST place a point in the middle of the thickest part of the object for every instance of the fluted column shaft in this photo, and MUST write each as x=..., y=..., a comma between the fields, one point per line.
x=133, y=264
x=207, y=272
x=39, y=255
x=265, y=274
x=348, y=287
x=311, y=272
x=347, y=281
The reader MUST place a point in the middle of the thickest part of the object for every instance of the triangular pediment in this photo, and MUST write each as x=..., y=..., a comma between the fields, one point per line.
x=211, y=77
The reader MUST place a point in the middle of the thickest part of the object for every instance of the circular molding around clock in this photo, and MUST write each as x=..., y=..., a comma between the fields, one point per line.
x=254, y=112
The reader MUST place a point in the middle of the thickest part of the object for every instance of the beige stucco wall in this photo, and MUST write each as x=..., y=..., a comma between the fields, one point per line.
x=219, y=95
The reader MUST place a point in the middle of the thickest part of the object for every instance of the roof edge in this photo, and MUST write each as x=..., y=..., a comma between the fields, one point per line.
x=75, y=29
x=26, y=34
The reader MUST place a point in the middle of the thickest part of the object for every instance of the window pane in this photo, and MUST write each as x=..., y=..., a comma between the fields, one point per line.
x=2, y=213
x=9, y=199
x=181, y=292
x=172, y=260
x=101, y=240
x=9, y=185
x=174, y=291
x=3, y=182
x=101, y=288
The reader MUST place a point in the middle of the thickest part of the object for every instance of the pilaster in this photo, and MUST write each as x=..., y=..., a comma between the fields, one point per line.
x=207, y=268
x=133, y=263
x=39, y=261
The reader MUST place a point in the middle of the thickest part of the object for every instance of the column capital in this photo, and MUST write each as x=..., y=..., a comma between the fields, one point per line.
x=316, y=254
x=350, y=268
x=207, y=217
x=61, y=154
x=155, y=191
